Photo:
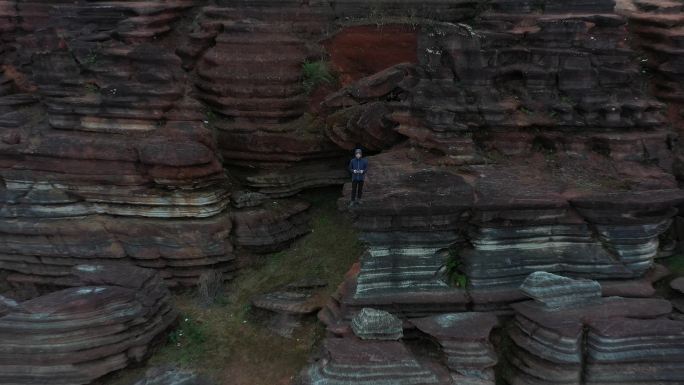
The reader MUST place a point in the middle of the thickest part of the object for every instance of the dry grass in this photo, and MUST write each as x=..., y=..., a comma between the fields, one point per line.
x=227, y=342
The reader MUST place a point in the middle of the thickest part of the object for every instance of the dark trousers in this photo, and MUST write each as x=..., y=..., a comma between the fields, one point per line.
x=357, y=189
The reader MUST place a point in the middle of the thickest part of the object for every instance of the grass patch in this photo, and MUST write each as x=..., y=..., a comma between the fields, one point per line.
x=316, y=73
x=188, y=337
x=225, y=342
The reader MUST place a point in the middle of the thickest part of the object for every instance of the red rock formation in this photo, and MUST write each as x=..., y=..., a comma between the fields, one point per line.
x=267, y=227
x=552, y=115
x=604, y=341
x=73, y=336
x=251, y=77
x=106, y=153
x=516, y=136
x=360, y=51
x=656, y=30
x=353, y=361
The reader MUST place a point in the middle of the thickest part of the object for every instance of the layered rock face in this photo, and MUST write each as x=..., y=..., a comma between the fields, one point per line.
x=464, y=340
x=508, y=138
x=656, y=28
x=107, y=152
x=568, y=334
x=110, y=159
x=531, y=143
x=248, y=58
x=351, y=361
x=606, y=341
x=290, y=304
x=75, y=335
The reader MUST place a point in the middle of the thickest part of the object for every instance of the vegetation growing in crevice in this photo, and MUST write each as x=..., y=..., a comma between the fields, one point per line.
x=454, y=270
x=92, y=57
x=316, y=73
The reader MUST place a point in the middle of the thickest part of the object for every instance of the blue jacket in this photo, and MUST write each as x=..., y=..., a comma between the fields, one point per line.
x=358, y=164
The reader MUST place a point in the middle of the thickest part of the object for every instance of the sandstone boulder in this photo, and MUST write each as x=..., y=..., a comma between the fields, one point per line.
x=555, y=291
x=373, y=324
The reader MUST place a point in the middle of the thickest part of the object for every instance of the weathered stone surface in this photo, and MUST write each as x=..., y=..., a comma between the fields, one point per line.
x=170, y=376
x=264, y=132
x=352, y=361
x=373, y=324
x=678, y=284
x=464, y=338
x=631, y=351
x=106, y=151
x=555, y=291
x=288, y=305
x=270, y=226
x=516, y=137
x=656, y=28
x=110, y=159
x=43, y=251
x=677, y=299
x=531, y=144
x=244, y=198
x=7, y=305
x=76, y=335
x=504, y=222
x=548, y=344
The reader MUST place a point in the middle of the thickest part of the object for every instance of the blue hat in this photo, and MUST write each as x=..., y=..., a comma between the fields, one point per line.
x=358, y=150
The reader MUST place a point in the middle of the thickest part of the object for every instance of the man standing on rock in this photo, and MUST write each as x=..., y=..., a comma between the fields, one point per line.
x=358, y=167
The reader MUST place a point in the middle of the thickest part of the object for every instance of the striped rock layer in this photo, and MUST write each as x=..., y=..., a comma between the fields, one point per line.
x=75, y=335
x=531, y=144
x=465, y=343
x=614, y=341
x=106, y=152
x=352, y=361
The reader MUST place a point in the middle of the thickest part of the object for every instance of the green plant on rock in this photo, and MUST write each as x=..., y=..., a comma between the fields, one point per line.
x=316, y=73
x=91, y=88
x=91, y=58
x=454, y=270
x=567, y=100
x=526, y=111
x=209, y=116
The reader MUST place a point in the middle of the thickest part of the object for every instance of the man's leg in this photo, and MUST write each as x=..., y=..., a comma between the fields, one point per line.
x=360, y=190
x=354, y=187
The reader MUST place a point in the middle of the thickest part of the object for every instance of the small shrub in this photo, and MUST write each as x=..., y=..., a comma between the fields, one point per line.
x=526, y=111
x=91, y=58
x=316, y=73
x=209, y=116
x=454, y=270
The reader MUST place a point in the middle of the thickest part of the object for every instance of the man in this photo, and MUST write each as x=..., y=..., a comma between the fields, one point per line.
x=358, y=167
